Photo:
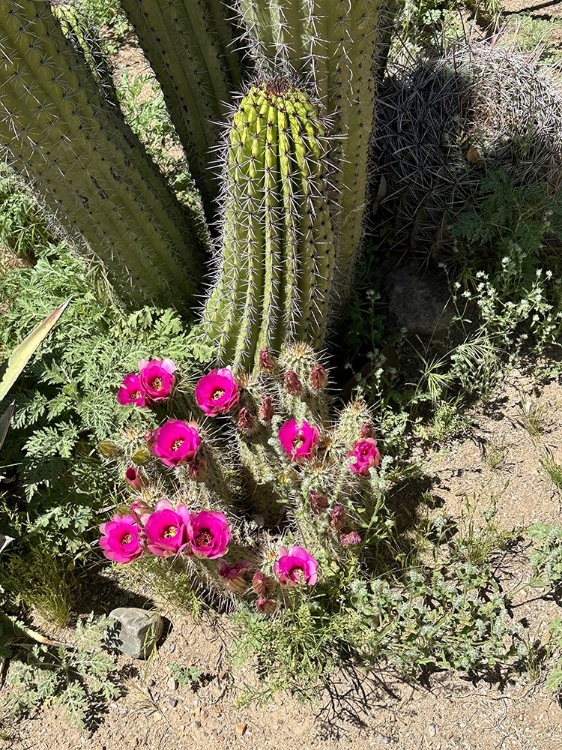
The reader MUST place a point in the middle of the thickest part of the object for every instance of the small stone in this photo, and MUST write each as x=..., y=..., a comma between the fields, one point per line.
x=217, y=710
x=241, y=729
x=138, y=631
x=432, y=730
x=172, y=684
x=197, y=724
x=173, y=702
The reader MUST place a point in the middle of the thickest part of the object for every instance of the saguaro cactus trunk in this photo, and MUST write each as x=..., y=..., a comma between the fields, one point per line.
x=86, y=163
x=277, y=259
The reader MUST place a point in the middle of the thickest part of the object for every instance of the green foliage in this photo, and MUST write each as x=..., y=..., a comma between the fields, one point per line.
x=109, y=20
x=41, y=580
x=22, y=225
x=66, y=402
x=546, y=556
x=75, y=678
x=186, y=676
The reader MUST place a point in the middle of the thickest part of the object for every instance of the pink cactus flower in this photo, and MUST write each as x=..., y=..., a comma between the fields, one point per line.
x=298, y=441
x=134, y=478
x=217, y=392
x=131, y=391
x=122, y=539
x=266, y=606
x=166, y=529
x=295, y=566
x=234, y=575
x=351, y=538
x=157, y=378
x=175, y=442
x=209, y=534
x=364, y=456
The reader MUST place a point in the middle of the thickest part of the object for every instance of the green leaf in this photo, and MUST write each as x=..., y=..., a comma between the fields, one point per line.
x=21, y=355
x=5, y=420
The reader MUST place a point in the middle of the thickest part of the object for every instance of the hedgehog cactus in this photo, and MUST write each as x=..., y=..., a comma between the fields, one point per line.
x=86, y=163
x=278, y=255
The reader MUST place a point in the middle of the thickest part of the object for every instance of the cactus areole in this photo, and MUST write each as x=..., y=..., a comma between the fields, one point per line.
x=277, y=259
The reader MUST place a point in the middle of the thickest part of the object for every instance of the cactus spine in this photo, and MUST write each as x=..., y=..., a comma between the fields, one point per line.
x=332, y=45
x=189, y=45
x=84, y=160
x=277, y=256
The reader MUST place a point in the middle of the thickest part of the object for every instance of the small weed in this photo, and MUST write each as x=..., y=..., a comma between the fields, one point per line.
x=553, y=469
x=533, y=417
x=494, y=455
x=43, y=581
x=186, y=676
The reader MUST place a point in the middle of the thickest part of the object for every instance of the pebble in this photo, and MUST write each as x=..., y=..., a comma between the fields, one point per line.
x=197, y=724
x=432, y=730
x=172, y=684
x=241, y=729
x=173, y=702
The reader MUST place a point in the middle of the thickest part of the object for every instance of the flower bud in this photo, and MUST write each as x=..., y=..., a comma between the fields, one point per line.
x=318, y=379
x=266, y=606
x=267, y=361
x=292, y=384
x=351, y=538
x=366, y=431
x=318, y=502
x=261, y=583
x=134, y=478
x=234, y=576
x=337, y=518
x=266, y=410
x=139, y=510
x=198, y=469
x=246, y=420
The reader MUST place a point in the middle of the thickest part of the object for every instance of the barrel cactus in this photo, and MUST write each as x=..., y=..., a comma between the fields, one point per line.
x=278, y=252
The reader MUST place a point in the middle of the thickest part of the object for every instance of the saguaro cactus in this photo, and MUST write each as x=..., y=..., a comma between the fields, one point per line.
x=333, y=45
x=86, y=163
x=189, y=43
x=277, y=259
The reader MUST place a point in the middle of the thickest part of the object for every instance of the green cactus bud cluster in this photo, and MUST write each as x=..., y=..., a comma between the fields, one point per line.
x=86, y=163
x=189, y=44
x=277, y=260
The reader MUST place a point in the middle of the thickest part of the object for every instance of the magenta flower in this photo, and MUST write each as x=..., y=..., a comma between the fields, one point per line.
x=174, y=442
x=365, y=456
x=209, y=534
x=121, y=539
x=295, y=566
x=131, y=391
x=299, y=441
x=157, y=378
x=217, y=392
x=166, y=529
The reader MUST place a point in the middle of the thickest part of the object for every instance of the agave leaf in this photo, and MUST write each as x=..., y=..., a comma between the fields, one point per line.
x=5, y=422
x=10, y=370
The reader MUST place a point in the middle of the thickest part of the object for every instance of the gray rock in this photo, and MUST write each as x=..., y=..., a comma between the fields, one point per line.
x=138, y=631
x=419, y=302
